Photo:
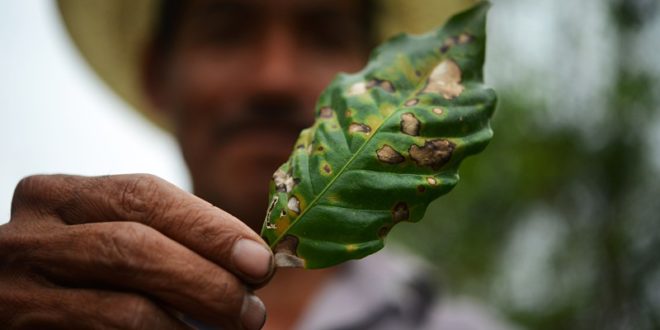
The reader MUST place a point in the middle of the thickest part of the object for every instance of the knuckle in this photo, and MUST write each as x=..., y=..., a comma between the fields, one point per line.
x=122, y=246
x=28, y=190
x=42, y=194
x=29, y=183
x=140, y=194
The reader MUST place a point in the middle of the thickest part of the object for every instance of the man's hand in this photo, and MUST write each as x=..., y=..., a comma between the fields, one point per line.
x=125, y=252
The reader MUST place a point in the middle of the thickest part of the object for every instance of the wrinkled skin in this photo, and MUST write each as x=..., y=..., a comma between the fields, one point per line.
x=135, y=252
x=117, y=244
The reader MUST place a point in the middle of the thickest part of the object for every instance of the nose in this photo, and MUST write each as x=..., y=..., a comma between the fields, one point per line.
x=277, y=71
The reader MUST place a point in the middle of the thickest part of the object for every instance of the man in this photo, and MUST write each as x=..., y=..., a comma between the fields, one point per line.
x=236, y=80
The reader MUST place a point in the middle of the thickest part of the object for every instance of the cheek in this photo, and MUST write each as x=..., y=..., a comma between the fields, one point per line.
x=189, y=90
x=196, y=85
x=200, y=92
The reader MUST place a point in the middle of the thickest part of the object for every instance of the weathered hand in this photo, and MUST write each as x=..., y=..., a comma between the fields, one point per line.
x=128, y=252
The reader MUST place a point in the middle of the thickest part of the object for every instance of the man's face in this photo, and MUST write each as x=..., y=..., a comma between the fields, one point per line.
x=241, y=81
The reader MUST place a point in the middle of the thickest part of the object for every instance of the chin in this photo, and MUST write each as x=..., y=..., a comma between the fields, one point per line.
x=244, y=194
x=236, y=178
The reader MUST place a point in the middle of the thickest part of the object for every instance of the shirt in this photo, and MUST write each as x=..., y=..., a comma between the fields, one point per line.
x=392, y=290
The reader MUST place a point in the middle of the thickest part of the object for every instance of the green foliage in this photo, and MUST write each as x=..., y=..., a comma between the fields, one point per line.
x=387, y=141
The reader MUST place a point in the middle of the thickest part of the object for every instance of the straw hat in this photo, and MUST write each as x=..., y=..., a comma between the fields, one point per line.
x=111, y=35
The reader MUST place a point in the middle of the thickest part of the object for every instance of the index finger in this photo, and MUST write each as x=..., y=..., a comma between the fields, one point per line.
x=209, y=231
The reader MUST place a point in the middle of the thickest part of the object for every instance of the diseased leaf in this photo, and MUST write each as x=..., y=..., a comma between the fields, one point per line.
x=387, y=141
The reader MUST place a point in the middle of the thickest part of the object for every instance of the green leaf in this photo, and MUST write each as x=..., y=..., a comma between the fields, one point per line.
x=387, y=141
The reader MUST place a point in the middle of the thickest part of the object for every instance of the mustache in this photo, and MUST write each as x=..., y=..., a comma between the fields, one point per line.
x=287, y=117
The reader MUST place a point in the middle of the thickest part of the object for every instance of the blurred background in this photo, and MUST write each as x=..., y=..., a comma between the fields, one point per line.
x=556, y=225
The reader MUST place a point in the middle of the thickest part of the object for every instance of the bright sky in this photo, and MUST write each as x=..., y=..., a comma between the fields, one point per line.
x=57, y=117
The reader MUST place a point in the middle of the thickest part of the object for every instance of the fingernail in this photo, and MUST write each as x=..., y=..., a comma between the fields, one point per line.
x=252, y=259
x=253, y=313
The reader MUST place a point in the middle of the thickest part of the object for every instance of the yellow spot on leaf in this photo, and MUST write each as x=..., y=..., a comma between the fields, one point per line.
x=333, y=198
x=325, y=169
x=282, y=224
x=374, y=121
x=386, y=109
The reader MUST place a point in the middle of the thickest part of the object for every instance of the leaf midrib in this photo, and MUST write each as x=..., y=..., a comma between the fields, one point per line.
x=348, y=163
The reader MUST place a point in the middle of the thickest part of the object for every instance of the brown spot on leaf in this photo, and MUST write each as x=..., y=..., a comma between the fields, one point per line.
x=327, y=169
x=359, y=128
x=286, y=253
x=348, y=113
x=387, y=154
x=284, y=182
x=293, y=204
x=384, y=230
x=319, y=148
x=438, y=111
x=288, y=243
x=421, y=188
x=384, y=84
x=434, y=153
x=445, y=80
x=400, y=212
x=410, y=124
x=449, y=42
x=387, y=86
x=432, y=181
x=325, y=112
x=411, y=102
x=465, y=38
